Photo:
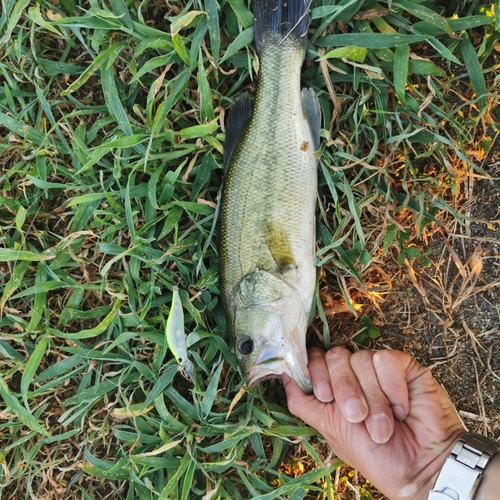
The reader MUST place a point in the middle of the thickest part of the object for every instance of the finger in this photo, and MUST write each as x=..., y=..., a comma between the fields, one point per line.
x=346, y=389
x=319, y=375
x=380, y=420
x=304, y=406
x=390, y=367
x=431, y=417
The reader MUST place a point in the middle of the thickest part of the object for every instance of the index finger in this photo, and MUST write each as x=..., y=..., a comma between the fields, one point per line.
x=320, y=377
x=391, y=369
x=346, y=388
x=305, y=406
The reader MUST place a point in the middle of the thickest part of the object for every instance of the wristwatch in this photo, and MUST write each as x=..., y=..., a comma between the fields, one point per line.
x=463, y=470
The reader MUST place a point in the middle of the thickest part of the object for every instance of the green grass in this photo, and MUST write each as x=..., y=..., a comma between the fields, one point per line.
x=111, y=147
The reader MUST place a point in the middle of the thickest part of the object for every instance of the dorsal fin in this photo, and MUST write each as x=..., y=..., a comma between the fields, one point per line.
x=238, y=119
x=312, y=113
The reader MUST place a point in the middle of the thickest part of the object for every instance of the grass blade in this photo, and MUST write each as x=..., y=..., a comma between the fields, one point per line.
x=14, y=282
x=242, y=40
x=97, y=330
x=106, y=57
x=464, y=23
x=425, y=14
x=401, y=63
x=474, y=70
x=38, y=311
x=18, y=409
x=113, y=101
x=205, y=92
x=13, y=19
x=213, y=29
x=208, y=398
x=175, y=479
x=9, y=255
x=31, y=368
x=369, y=40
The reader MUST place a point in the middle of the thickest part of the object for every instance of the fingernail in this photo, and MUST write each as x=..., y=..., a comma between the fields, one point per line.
x=323, y=392
x=399, y=412
x=379, y=428
x=285, y=378
x=354, y=410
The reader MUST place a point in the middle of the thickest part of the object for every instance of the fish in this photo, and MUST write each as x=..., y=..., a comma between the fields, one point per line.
x=267, y=236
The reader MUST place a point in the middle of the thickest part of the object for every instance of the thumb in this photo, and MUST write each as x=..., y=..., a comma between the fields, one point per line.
x=304, y=406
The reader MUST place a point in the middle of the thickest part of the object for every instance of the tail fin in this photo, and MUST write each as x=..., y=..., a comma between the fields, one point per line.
x=277, y=20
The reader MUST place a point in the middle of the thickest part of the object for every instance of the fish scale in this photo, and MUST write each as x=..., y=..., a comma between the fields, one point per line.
x=271, y=179
x=267, y=231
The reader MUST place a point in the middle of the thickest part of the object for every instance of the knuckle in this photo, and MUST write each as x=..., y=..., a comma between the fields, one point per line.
x=425, y=372
x=337, y=353
x=292, y=407
x=345, y=385
x=361, y=358
x=383, y=356
x=389, y=356
x=296, y=407
x=316, y=352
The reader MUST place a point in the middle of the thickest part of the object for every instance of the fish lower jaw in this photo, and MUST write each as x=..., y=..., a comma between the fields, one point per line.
x=266, y=369
x=275, y=369
x=255, y=379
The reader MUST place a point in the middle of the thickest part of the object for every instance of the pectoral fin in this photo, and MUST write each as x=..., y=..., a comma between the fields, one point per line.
x=239, y=116
x=279, y=246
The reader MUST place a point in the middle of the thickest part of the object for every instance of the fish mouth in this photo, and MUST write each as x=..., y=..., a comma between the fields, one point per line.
x=270, y=363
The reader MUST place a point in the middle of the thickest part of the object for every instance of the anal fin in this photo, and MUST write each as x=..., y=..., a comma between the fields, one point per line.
x=238, y=119
x=279, y=245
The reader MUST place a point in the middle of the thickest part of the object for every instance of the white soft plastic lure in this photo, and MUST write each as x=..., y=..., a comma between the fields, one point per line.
x=176, y=336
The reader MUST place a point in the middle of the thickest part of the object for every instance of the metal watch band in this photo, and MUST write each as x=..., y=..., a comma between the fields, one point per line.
x=462, y=471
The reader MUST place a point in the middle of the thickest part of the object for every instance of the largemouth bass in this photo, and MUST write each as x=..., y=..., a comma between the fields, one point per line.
x=267, y=230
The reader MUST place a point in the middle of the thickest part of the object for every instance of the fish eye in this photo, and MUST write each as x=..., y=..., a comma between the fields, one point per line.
x=245, y=346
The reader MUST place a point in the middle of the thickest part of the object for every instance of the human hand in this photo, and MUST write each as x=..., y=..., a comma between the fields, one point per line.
x=390, y=419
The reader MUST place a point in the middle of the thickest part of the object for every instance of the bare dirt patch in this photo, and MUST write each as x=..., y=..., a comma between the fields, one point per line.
x=447, y=313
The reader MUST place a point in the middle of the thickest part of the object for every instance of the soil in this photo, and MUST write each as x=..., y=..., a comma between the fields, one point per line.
x=457, y=315
x=446, y=314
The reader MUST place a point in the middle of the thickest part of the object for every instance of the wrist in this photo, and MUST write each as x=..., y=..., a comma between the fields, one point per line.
x=488, y=489
x=428, y=477
x=418, y=487
x=432, y=474
x=465, y=468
